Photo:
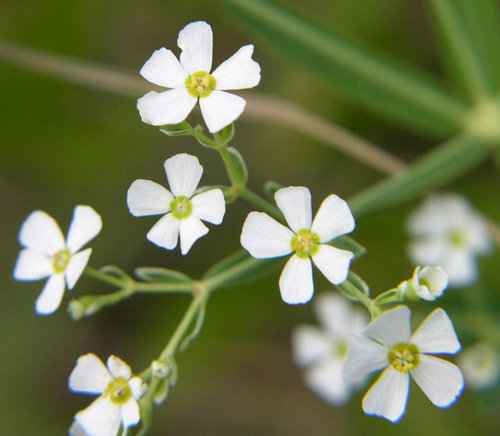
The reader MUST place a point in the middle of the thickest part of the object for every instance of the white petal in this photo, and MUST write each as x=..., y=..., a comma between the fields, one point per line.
x=436, y=334
x=41, y=233
x=264, y=237
x=296, y=281
x=76, y=265
x=220, y=109
x=118, y=368
x=167, y=107
x=295, y=203
x=101, y=418
x=89, y=375
x=163, y=69
x=137, y=387
x=191, y=230
x=336, y=314
x=77, y=430
x=165, y=232
x=388, y=396
x=209, y=206
x=326, y=380
x=183, y=173
x=392, y=328
x=440, y=380
x=334, y=218
x=309, y=345
x=130, y=413
x=85, y=225
x=461, y=268
x=32, y=265
x=145, y=198
x=428, y=251
x=333, y=263
x=51, y=296
x=240, y=71
x=363, y=357
x=195, y=41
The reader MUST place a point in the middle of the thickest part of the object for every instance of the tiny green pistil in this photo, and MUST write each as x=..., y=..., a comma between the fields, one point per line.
x=118, y=391
x=60, y=260
x=404, y=357
x=200, y=84
x=305, y=243
x=181, y=207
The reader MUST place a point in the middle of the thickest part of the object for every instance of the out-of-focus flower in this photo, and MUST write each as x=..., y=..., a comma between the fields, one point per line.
x=119, y=391
x=183, y=210
x=480, y=364
x=322, y=351
x=387, y=343
x=450, y=233
x=191, y=81
x=47, y=254
x=263, y=237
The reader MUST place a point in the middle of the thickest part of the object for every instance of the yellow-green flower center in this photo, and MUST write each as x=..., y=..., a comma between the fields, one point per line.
x=305, y=243
x=200, y=84
x=181, y=207
x=457, y=238
x=118, y=391
x=404, y=357
x=60, y=260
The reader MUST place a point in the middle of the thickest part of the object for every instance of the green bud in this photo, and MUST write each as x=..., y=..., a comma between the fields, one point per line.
x=238, y=172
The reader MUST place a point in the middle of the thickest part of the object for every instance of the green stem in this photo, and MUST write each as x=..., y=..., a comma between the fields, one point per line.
x=262, y=204
x=462, y=48
x=349, y=290
x=103, y=277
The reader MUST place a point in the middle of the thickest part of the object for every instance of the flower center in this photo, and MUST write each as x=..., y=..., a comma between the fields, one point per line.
x=181, y=207
x=404, y=357
x=60, y=260
x=305, y=243
x=118, y=391
x=200, y=84
x=457, y=238
x=340, y=349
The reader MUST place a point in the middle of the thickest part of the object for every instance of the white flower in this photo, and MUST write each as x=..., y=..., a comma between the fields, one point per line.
x=263, y=237
x=387, y=343
x=322, y=351
x=481, y=366
x=449, y=232
x=118, y=391
x=191, y=81
x=429, y=282
x=47, y=254
x=182, y=210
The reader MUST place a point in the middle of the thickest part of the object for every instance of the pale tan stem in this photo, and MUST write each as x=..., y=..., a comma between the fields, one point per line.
x=260, y=108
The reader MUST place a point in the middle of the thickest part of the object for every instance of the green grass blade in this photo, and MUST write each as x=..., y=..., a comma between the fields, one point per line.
x=414, y=100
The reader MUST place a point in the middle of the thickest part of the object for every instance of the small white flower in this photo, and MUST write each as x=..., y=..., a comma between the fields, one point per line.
x=183, y=211
x=118, y=390
x=47, y=254
x=481, y=366
x=449, y=232
x=387, y=343
x=429, y=282
x=191, y=81
x=263, y=237
x=322, y=351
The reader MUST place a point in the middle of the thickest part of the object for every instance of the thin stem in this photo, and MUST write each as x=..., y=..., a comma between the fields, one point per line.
x=349, y=290
x=262, y=203
x=103, y=277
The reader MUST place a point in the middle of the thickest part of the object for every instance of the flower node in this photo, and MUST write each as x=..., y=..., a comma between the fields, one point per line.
x=119, y=391
x=305, y=243
x=181, y=207
x=404, y=357
x=200, y=84
x=61, y=260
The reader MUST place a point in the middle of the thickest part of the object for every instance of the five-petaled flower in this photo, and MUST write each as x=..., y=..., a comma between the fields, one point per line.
x=47, y=254
x=183, y=210
x=450, y=233
x=191, y=81
x=322, y=351
x=263, y=237
x=387, y=343
x=118, y=390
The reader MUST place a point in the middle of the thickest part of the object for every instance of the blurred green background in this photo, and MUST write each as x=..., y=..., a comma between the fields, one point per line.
x=63, y=145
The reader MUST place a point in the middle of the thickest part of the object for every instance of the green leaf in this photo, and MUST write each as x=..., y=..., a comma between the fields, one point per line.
x=354, y=288
x=227, y=133
x=181, y=129
x=238, y=171
x=156, y=274
x=415, y=100
x=350, y=244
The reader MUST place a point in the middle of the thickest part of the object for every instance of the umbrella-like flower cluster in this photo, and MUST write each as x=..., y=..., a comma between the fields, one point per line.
x=191, y=81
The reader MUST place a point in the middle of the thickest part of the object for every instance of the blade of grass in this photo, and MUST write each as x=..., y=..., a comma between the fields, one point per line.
x=462, y=48
x=414, y=100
